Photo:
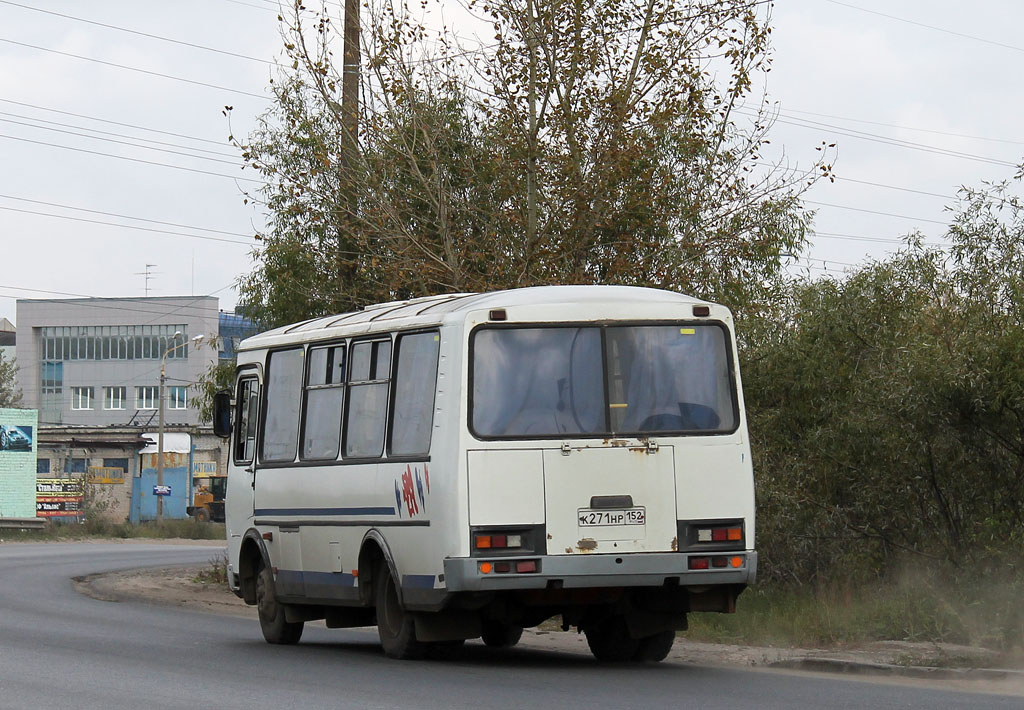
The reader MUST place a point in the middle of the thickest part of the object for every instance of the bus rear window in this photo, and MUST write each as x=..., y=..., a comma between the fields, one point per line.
x=599, y=381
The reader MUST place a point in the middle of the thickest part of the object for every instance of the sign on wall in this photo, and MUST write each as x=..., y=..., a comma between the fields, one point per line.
x=105, y=474
x=18, y=462
x=59, y=497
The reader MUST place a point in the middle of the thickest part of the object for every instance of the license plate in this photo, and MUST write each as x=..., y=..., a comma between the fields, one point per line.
x=589, y=517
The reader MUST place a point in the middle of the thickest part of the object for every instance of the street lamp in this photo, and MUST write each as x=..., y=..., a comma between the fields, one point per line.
x=160, y=439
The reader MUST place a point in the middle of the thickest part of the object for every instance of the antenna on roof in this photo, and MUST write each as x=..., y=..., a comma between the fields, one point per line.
x=147, y=275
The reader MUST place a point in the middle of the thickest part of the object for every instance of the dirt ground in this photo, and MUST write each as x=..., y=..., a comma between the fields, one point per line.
x=183, y=587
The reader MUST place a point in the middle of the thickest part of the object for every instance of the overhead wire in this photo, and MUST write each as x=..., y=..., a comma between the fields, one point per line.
x=34, y=120
x=137, y=32
x=927, y=26
x=115, y=123
x=121, y=142
x=134, y=160
x=123, y=216
x=135, y=69
x=125, y=226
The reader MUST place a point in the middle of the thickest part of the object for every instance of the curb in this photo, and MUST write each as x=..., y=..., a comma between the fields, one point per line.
x=833, y=665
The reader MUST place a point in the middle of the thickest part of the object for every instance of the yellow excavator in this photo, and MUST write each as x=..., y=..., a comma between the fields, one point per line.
x=208, y=500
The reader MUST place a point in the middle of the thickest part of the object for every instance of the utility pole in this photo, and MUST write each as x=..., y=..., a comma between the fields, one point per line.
x=160, y=425
x=531, y=168
x=350, y=147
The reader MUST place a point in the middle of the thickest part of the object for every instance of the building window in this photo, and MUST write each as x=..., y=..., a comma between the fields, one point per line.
x=147, y=397
x=81, y=397
x=176, y=397
x=114, y=342
x=42, y=465
x=116, y=463
x=78, y=465
x=53, y=377
x=113, y=397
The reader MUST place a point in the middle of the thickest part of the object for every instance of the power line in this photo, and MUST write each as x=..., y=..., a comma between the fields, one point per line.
x=134, y=69
x=867, y=211
x=901, y=127
x=930, y=27
x=136, y=32
x=856, y=238
x=106, y=306
x=120, y=135
x=124, y=216
x=892, y=187
x=115, y=123
x=125, y=226
x=249, y=4
x=119, y=142
x=134, y=160
x=885, y=140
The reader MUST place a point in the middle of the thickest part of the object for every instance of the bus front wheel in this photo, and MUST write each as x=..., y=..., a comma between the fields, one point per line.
x=395, y=625
x=276, y=629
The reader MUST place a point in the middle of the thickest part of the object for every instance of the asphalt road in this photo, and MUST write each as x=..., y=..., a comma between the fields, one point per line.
x=60, y=649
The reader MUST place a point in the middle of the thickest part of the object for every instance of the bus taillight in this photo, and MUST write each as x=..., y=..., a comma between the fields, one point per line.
x=497, y=542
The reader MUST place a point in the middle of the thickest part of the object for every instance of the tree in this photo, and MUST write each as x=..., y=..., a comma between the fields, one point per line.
x=220, y=377
x=590, y=143
x=887, y=409
x=10, y=395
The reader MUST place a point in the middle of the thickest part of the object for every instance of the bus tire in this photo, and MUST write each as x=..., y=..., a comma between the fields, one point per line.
x=655, y=648
x=276, y=629
x=395, y=625
x=609, y=640
x=498, y=634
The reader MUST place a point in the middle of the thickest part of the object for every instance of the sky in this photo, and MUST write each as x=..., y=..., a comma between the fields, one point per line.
x=102, y=127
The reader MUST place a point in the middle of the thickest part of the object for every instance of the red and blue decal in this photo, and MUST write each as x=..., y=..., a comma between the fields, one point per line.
x=412, y=490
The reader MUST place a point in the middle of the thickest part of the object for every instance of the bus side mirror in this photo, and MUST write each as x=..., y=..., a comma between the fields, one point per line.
x=222, y=414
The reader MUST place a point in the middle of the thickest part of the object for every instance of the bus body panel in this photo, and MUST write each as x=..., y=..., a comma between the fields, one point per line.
x=580, y=495
x=610, y=499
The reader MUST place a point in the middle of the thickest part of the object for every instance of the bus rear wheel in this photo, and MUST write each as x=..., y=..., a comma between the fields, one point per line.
x=276, y=629
x=655, y=648
x=609, y=640
x=497, y=634
x=395, y=625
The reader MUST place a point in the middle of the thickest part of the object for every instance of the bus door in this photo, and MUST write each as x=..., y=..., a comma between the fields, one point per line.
x=241, y=471
x=610, y=499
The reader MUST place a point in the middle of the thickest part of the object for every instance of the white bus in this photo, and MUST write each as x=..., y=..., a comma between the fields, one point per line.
x=468, y=465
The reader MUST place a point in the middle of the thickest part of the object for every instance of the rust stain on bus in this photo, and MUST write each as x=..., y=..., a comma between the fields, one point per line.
x=586, y=545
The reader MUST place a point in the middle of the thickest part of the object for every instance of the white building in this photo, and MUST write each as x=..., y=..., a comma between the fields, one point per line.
x=96, y=361
x=7, y=339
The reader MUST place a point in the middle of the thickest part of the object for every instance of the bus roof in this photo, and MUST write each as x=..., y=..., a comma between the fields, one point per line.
x=431, y=310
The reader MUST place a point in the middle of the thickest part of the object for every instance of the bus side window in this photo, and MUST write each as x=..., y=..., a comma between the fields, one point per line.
x=369, y=380
x=321, y=416
x=283, y=395
x=245, y=428
x=415, y=384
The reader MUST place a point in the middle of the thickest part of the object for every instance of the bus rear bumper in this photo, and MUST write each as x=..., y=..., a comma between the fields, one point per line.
x=463, y=574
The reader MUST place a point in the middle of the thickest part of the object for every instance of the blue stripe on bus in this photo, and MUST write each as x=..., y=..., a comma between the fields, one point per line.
x=331, y=579
x=418, y=581
x=324, y=511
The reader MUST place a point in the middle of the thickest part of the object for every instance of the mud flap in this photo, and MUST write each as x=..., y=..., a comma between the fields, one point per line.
x=447, y=626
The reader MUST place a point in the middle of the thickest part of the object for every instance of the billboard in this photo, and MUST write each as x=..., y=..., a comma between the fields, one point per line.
x=59, y=497
x=18, y=429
